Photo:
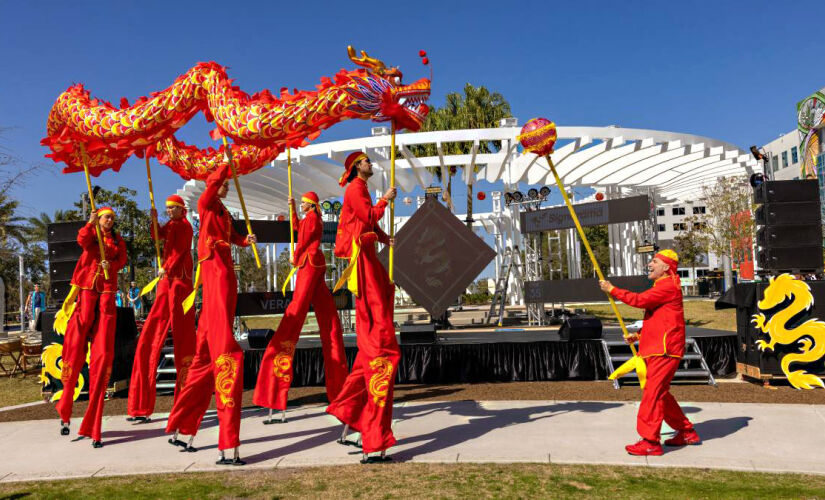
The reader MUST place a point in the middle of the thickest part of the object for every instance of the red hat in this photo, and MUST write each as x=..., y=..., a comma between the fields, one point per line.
x=349, y=164
x=310, y=197
x=175, y=201
x=670, y=258
x=105, y=210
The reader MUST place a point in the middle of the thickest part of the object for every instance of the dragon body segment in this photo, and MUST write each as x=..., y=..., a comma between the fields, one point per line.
x=809, y=336
x=261, y=124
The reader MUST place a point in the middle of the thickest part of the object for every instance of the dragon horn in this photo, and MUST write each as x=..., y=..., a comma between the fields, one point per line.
x=366, y=61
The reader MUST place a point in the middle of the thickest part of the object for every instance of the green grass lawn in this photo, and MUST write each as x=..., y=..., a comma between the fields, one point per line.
x=436, y=481
x=18, y=390
x=697, y=313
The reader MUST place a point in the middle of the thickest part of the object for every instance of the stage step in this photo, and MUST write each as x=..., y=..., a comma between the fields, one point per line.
x=166, y=386
x=693, y=366
x=167, y=372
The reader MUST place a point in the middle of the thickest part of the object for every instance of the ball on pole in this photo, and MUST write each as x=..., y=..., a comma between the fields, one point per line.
x=538, y=136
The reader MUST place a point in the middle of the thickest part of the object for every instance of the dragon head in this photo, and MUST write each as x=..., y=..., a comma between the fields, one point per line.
x=781, y=287
x=379, y=94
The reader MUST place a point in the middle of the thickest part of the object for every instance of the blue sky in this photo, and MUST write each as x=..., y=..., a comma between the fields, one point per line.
x=727, y=70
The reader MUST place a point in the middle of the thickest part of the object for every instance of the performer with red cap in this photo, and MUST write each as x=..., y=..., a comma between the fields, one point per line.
x=92, y=317
x=661, y=345
x=174, y=285
x=275, y=375
x=365, y=401
x=218, y=363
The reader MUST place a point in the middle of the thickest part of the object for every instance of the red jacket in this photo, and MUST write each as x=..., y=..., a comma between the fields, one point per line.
x=177, y=248
x=216, y=229
x=308, y=248
x=663, y=331
x=88, y=274
x=358, y=217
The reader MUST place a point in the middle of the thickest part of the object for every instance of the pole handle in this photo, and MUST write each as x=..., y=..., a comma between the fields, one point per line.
x=154, y=217
x=392, y=202
x=228, y=150
x=93, y=207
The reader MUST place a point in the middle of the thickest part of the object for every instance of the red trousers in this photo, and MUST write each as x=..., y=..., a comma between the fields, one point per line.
x=657, y=402
x=275, y=375
x=166, y=312
x=95, y=320
x=365, y=401
x=218, y=364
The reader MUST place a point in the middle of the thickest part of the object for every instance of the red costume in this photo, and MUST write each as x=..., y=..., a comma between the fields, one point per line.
x=218, y=363
x=166, y=312
x=662, y=345
x=94, y=320
x=365, y=402
x=275, y=375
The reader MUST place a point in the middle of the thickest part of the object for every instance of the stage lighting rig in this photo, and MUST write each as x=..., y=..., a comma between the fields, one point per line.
x=533, y=193
x=531, y=201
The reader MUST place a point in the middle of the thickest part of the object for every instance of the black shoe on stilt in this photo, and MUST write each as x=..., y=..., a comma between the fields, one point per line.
x=139, y=420
x=97, y=444
x=64, y=428
x=271, y=420
x=233, y=461
x=366, y=459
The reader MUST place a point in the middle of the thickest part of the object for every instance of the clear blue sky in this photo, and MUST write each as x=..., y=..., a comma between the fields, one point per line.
x=728, y=70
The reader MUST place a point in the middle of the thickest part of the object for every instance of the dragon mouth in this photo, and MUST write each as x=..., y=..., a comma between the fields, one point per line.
x=411, y=99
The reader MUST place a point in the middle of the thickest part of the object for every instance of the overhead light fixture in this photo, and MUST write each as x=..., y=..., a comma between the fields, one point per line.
x=756, y=180
x=533, y=193
x=544, y=192
x=337, y=206
x=326, y=206
x=518, y=196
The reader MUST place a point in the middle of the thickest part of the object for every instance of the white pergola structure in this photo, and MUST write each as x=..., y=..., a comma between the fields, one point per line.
x=618, y=161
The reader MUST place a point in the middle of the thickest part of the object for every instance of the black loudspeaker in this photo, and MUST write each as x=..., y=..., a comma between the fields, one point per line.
x=259, y=338
x=61, y=270
x=581, y=328
x=63, y=231
x=790, y=259
x=63, y=254
x=418, y=334
x=781, y=191
x=788, y=236
x=64, y=251
x=790, y=213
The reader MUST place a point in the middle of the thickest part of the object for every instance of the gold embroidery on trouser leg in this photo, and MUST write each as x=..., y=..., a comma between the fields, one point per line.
x=380, y=381
x=225, y=380
x=283, y=361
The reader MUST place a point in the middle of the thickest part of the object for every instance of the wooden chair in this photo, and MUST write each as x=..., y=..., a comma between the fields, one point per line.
x=12, y=348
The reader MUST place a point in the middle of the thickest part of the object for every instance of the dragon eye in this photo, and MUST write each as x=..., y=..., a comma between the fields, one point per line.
x=397, y=80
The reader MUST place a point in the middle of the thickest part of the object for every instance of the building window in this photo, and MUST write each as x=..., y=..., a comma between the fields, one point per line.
x=701, y=273
x=784, y=159
x=679, y=226
x=698, y=210
x=775, y=163
x=662, y=228
x=660, y=212
x=698, y=225
x=678, y=210
x=683, y=273
x=794, y=155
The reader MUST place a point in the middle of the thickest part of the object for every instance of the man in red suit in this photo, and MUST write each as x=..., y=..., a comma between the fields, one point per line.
x=94, y=320
x=662, y=345
x=218, y=363
x=174, y=286
x=365, y=402
x=275, y=375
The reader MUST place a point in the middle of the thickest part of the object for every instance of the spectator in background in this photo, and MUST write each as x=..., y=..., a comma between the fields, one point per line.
x=134, y=299
x=119, y=298
x=35, y=304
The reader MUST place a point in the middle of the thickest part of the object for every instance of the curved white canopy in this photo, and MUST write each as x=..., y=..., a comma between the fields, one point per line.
x=676, y=165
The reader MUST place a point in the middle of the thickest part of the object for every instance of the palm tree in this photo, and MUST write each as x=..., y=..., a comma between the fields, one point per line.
x=38, y=226
x=476, y=108
x=11, y=226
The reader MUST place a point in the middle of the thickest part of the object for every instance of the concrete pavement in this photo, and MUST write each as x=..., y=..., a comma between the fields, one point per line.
x=750, y=437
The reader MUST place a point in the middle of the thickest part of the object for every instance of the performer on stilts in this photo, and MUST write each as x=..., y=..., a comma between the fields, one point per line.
x=94, y=319
x=365, y=402
x=173, y=286
x=661, y=345
x=218, y=363
x=275, y=375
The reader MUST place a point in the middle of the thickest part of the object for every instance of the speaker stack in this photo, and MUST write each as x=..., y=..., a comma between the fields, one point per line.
x=63, y=255
x=789, y=226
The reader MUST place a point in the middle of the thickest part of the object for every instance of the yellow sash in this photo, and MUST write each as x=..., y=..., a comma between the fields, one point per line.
x=288, y=277
x=189, y=301
x=635, y=363
x=350, y=274
x=61, y=319
x=151, y=286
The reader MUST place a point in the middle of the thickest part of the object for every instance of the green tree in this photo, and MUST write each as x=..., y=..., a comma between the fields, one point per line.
x=599, y=239
x=476, y=108
x=37, y=229
x=691, y=243
x=12, y=226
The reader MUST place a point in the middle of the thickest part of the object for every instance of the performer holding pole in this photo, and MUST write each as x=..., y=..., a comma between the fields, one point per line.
x=365, y=401
x=92, y=317
x=174, y=285
x=661, y=345
x=218, y=363
x=275, y=375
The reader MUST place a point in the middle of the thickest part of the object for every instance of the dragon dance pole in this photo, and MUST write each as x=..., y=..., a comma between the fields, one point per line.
x=154, y=215
x=289, y=179
x=587, y=247
x=392, y=202
x=92, y=203
x=240, y=198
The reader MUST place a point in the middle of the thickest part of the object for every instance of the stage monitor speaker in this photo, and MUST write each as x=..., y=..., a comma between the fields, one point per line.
x=259, y=338
x=581, y=328
x=789, y=236
x=418, y=334
x=63, y=231
x=800, y=258
x=782, y=191
x=790, y=213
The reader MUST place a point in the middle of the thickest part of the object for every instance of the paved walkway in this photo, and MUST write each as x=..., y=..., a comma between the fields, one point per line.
x=751, y=437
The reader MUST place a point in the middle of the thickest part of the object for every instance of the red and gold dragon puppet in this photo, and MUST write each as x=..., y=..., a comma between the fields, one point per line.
x=261, y=125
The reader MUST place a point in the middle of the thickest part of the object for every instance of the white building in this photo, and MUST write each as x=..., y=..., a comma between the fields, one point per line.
x=783, y=157
x=670, y=221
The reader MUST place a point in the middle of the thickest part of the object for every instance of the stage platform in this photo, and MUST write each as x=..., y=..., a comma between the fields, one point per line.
x=495, y=355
